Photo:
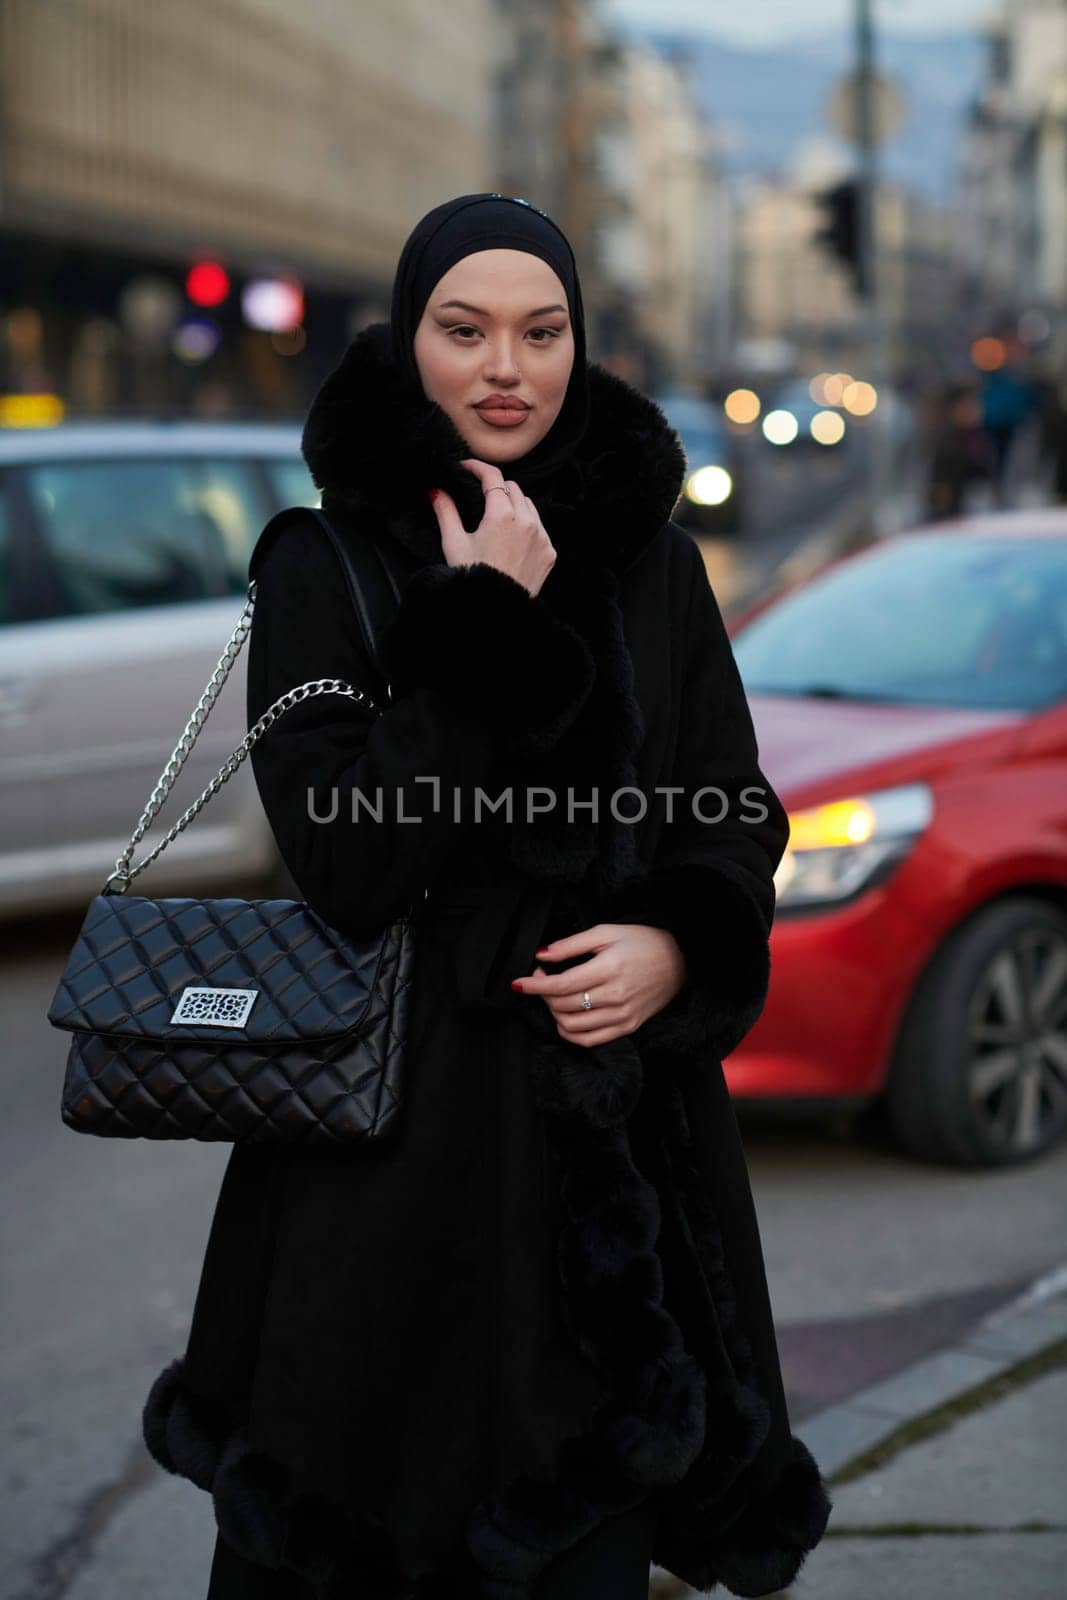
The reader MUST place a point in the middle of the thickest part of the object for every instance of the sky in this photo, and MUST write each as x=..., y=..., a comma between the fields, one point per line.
x=770, y=21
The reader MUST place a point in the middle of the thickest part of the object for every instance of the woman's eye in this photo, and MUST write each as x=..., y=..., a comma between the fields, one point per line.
x=464, y=328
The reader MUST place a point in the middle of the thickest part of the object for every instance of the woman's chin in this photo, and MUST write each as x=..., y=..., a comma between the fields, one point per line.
x=496, y=447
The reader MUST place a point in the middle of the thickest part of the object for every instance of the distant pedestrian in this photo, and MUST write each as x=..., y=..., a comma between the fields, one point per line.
x=1008, y=400
x=961, y=452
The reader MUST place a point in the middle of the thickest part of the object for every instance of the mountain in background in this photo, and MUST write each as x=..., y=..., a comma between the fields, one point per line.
x=770, y=103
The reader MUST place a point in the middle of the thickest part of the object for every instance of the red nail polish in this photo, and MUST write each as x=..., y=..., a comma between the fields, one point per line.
x=431, y=494
x=516, y=983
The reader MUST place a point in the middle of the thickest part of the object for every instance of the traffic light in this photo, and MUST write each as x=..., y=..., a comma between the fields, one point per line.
x=840, y=231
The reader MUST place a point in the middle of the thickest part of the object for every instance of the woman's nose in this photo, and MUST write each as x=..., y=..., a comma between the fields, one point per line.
x=502, y=361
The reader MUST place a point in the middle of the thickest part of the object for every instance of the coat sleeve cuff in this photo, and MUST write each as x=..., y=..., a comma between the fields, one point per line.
x=479, y=636
x=722, y=934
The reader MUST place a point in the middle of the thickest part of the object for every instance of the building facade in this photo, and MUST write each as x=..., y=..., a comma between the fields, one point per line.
x=279, y=141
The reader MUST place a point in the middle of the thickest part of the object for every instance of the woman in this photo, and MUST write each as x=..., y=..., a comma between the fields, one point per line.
x=529, y=1346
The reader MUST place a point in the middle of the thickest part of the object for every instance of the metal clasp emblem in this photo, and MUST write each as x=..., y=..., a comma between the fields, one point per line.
x=221, y=1008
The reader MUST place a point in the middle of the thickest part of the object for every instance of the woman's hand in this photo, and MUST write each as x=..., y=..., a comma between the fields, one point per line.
x=510, y=535
x=633, y=974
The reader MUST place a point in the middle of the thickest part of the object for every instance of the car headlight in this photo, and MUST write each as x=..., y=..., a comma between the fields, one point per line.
x=837, y=850
x=709, y=486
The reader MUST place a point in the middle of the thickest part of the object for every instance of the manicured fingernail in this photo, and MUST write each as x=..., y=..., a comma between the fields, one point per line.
x=431, y=494
x=516, y=983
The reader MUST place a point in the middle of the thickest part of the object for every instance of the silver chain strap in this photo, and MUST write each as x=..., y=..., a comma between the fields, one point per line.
x=124, y=873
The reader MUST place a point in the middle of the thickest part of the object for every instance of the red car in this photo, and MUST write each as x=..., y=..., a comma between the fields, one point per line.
x=911, y=708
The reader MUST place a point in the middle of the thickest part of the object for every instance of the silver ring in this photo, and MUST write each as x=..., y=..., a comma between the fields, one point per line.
x=587, y=1004
x=503, y=486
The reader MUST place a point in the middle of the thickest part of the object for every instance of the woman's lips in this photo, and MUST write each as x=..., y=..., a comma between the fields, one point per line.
x=499, y=417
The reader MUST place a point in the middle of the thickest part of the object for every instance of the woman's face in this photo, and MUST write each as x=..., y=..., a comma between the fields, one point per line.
x=497, y=325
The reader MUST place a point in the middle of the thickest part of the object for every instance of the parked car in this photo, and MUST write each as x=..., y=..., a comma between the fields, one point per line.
x=123, y=570
x=911, y=707
x=711, y=499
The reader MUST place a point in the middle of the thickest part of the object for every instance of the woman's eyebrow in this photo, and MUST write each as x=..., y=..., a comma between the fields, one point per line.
x=542, y=311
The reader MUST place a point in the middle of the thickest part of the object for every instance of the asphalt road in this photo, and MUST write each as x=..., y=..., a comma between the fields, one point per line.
x=871, y=1258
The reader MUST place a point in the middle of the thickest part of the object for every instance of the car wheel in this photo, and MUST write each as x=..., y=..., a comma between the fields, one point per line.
x=979, y=1073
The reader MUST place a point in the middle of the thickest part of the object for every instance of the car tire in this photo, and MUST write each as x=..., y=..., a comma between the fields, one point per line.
x=979, y=1071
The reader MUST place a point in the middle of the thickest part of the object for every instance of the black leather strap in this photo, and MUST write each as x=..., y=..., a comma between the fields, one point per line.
x=373, y=585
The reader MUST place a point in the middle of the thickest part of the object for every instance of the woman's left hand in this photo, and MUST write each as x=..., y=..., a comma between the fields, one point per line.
x=634, y=971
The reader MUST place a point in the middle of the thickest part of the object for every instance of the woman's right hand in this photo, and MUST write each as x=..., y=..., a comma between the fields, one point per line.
x=510, y=536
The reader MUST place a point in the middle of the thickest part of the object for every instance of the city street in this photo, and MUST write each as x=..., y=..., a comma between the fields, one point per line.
x=873, y=1261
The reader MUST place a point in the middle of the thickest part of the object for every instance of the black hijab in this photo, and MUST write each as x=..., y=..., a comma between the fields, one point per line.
x=458, y=228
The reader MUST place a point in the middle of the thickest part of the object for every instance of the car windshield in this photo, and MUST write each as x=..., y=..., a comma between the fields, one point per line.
x=968, y=622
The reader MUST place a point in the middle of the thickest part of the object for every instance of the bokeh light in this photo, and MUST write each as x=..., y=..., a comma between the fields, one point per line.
x=207, y=283
x=988, y=354
x=31, y=410
x=195, y=340
x=274, y=305
x=860, y=398
x=780, y=427
x=827, y=427
x=709, y=486
x=742, y=405
x=834, y=387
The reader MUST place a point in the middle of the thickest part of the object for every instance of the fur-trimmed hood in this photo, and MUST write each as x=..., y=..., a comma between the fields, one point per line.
x=370, y=444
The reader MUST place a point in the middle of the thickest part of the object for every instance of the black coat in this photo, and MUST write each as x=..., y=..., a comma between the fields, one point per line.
x=446, y=1359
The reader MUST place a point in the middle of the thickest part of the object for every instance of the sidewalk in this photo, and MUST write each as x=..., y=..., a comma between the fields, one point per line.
x=949, y=1480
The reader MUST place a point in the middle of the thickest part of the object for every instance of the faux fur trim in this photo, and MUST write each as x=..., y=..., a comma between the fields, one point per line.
x=763, y=1550
x=723, y=937
x=758, y=1549
x=478, y=635
x=664, y=1414
x=257, y=1510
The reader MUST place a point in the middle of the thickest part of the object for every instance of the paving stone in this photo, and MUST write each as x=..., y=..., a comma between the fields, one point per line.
x=842, y=1433
x=928, y=1383
x=1005, y=1463
x=1021, y=1335
x=159, y=1544
x=1024, y=1566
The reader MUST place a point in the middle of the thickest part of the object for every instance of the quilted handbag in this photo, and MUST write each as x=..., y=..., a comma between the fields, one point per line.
x=229, y=1019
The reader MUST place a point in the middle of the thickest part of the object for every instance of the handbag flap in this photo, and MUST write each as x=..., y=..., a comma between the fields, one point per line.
x=268, y=971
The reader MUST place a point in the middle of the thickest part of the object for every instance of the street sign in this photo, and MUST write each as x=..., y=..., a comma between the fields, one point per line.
x=888, y=107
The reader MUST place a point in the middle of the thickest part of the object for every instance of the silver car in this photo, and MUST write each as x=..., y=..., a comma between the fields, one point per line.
x=124, y=552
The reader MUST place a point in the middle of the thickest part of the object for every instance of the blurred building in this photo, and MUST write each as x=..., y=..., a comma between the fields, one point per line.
x=791, y=290
x=279, y=142
x=788, y=287
x=557, y=104
x=608, y=138
x=1013, y=229
x=200, y=205
x=675, y=234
